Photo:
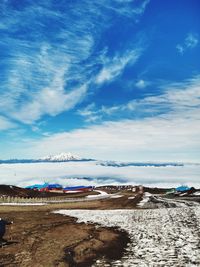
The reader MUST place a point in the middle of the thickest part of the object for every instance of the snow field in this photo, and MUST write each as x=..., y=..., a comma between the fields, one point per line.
x=158, y=237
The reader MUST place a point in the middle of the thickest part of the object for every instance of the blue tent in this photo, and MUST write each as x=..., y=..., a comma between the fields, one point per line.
x=70, y=188
x=37, y=186
x=183, y=188
x=53, y=186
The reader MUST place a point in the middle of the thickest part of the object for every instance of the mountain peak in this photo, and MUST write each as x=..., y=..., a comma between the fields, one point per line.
x=61, y=157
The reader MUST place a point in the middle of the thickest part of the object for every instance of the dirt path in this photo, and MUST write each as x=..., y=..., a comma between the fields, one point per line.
x=39, y=238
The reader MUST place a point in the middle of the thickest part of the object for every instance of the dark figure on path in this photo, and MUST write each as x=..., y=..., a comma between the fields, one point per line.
x=3, y=224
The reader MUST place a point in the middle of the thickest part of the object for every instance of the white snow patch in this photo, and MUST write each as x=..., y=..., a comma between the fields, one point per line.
x=102, y=194
x=196, y=194
x=22, y=204
x=161, y=237
x=145, y=199
x=131, y=198
x=116, y=196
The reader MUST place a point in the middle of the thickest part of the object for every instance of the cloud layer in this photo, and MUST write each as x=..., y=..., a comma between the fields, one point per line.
x=88, y=173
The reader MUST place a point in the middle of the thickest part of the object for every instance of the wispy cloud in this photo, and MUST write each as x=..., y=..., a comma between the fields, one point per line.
x=112, y=68
x=50, y=101
x=44, y=69
x=179, y=98
x=6, y=124
x=141, y=84
x=190, y=42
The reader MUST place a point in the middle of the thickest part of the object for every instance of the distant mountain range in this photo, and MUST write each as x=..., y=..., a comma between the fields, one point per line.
x=63, y=157
x=67, y=157
x=139, y=164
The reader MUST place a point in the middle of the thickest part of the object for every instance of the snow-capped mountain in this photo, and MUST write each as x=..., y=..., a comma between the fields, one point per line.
x=61, y=157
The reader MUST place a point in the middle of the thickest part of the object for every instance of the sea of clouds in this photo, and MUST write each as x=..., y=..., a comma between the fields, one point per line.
x=93, y=173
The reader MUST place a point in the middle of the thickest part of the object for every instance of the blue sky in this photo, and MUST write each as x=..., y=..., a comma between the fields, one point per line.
x=106, y=79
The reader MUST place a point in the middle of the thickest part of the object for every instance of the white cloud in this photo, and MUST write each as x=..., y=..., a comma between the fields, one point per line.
x=6, y=124
x=127, y=8
x=114, y=67
x=190, y=42
x=46, y=75
x=180, y=49
x=46, y=64
x=93, y=114
x=165, y=138
x=70, y=173
x=49, y=101
x=181, y=99
x=172, y=135
x=141, y=84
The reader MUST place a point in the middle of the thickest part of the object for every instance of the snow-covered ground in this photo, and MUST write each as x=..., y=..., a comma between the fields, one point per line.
x=159, y=237
x=145, y=199
x=150, y=201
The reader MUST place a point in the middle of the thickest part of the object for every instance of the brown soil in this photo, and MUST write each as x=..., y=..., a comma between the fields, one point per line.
x=40, y=238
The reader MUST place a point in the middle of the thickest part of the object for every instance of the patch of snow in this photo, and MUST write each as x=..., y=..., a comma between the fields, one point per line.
x=147, y=194
x=131, y=197
x=22, y=204
x=116, y=196
x=183, y=194
x=159, y=237
x=196, y=194
x=102, y=194
x=72, y=192
x=145, y=199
